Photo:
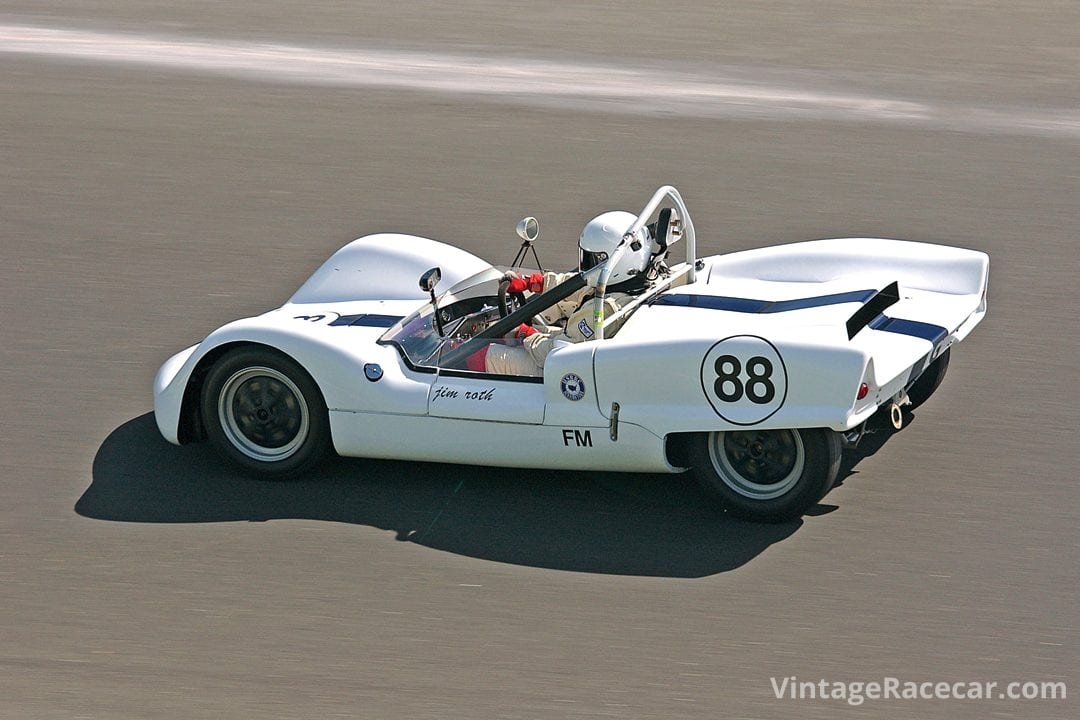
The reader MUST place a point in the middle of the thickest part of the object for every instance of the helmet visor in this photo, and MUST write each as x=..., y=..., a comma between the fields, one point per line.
x=589, y=260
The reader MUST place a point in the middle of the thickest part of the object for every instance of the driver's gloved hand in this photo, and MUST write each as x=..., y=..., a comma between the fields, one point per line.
x=521, y=283
x=523, y=331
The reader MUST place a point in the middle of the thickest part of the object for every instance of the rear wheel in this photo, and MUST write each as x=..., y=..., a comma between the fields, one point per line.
x=767, y=475
x=929, y=381
x=265, y=413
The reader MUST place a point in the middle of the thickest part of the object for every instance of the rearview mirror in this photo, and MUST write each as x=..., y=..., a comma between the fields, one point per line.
x=528, y=229
x=430, y=279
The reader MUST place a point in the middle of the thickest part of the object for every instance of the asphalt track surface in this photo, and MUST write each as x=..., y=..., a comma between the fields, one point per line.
x=165, y=169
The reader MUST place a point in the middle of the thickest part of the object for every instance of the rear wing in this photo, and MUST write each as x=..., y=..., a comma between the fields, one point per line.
x=885, y=297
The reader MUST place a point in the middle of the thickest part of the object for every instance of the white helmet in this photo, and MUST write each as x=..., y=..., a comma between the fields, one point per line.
x=603, y=234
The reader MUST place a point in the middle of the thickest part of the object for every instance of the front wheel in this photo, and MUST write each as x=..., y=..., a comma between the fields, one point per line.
x=767, y=475
x=265, y=413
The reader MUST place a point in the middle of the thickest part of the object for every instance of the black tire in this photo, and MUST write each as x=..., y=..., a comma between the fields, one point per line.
x=929, y=381
x=263, y=412
x=766, y=475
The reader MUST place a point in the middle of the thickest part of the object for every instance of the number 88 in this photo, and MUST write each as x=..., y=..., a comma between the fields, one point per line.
x=758, y=387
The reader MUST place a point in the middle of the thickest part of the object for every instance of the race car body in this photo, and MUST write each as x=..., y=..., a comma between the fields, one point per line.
x=752, y=369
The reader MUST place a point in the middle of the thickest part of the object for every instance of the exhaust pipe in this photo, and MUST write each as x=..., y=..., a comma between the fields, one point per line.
x=896, y=416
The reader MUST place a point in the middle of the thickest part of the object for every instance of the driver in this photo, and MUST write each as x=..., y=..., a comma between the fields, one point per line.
x=571, y=320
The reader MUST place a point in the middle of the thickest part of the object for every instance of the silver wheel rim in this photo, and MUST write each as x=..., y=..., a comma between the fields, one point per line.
x=263, y=414
x=758, y=464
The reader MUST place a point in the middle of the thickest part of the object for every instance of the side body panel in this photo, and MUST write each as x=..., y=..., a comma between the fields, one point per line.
x=468, y=396
x=476, y=442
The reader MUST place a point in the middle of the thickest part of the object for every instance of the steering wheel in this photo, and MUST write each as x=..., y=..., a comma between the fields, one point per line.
x=517, y=299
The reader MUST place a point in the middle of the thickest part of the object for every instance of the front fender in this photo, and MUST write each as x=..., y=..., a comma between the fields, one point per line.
x=334, y=356
x=169, y=385
x=385, y=266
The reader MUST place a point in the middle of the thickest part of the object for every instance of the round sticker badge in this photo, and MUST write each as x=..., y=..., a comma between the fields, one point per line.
x=573, y=387
x=744, y=379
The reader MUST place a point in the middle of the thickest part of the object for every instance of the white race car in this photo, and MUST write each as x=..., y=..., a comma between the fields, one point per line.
x=754, y=370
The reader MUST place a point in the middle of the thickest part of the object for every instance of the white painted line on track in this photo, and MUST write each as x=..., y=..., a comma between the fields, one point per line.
x=608, y=88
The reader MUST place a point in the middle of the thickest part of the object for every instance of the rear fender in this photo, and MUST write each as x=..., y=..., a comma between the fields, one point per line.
x=739, y=382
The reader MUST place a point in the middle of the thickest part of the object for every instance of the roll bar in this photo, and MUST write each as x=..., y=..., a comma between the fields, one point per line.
x=667, y=192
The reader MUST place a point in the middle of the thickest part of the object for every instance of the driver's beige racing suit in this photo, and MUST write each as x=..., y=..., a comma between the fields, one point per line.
x=568, y=321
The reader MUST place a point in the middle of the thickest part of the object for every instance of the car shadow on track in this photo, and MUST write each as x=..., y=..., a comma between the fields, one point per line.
x=601, y=523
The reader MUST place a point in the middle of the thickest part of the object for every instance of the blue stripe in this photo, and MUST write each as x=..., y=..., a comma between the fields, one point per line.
x=747, y=305
x=913, y=328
